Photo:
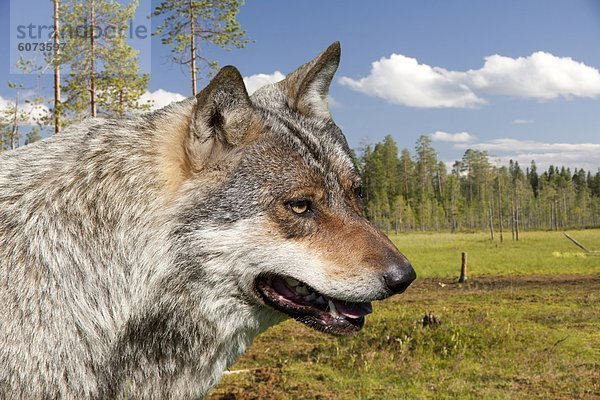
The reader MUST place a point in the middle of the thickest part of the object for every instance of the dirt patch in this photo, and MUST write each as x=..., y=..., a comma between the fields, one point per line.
x=261, y=380
x=495, y=282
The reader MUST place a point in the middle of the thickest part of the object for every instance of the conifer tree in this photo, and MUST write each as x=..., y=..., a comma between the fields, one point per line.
x=103, y=68
x=187, y=25
x=20, y=114
x=120, y=87
x=54, y=56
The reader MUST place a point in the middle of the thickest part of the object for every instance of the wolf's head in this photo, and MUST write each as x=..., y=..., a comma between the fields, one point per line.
x=278, y=221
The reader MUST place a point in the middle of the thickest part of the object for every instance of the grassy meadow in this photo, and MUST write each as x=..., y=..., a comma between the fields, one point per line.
x=439, y=254
x=525, y=325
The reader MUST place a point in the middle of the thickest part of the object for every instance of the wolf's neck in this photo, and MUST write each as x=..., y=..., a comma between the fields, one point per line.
x=180, y=348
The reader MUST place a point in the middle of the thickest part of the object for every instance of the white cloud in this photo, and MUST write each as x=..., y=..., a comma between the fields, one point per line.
x=34, y=112
x=3, y=103
x=461, y=137
x=160, y=98
x=580, y=155
x=37, y=112
x=402, y=80
x=255, y=82
x=587, y=161
x=522, y=121
x=543, y=76
x=508, y=144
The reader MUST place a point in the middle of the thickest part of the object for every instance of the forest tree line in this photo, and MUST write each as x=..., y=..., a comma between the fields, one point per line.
x=405, y=192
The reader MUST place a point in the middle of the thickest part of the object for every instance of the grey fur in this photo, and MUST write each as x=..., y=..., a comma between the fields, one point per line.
x=113, y=286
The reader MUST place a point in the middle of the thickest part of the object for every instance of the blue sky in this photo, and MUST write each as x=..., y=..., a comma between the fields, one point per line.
x=517, y=78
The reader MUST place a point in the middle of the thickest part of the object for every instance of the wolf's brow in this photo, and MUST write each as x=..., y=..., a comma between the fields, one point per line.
x=305, y=139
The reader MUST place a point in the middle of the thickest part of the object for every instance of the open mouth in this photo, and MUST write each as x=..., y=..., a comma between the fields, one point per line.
x=310, y=307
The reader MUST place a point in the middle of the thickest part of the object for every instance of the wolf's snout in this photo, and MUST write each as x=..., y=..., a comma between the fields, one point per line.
x=399, y=277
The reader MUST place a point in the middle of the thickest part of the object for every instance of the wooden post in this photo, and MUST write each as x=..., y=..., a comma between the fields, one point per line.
x=463, y=268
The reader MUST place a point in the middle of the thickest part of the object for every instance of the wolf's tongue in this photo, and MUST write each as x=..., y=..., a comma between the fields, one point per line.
x=353, y=310
x=282, y=288
x=350, y=310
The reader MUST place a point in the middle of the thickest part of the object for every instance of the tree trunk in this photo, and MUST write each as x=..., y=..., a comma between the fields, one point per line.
x=517, y=219
x=14, y=136
x=555, y=215
x=500, y=210
x=92, y=62
x=453, y=228
x=56, y=70
x=121, y=103
x=512, y=218
x=491, y=221
x=565, y=215
x=193, y=48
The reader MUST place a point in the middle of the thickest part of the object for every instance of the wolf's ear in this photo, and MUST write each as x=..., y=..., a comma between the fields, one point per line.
x=308, y=86
x=222, y=117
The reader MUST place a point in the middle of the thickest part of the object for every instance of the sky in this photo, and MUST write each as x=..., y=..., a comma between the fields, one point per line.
x=519, y=79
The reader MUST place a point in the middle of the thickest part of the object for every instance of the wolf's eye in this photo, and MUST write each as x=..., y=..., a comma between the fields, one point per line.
x=300, y=206
x=358, y=192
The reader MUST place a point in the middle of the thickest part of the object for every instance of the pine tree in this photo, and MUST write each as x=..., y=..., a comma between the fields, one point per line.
x=17, y=117
x=20, y=114
x=103, y=69
x=389, y=156
x=453, y=200
x=55, y=61
x=406, y=174
x=376, y=185
x=186, y=24
x=120, y=86
x=534, y=179
x=3, y=125
x=426, y=162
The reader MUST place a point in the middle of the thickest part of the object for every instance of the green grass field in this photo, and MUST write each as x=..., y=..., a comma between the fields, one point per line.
x=526, y=325
x=439, y=254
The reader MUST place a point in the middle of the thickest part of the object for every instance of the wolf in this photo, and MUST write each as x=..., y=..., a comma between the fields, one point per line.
x=140, y=257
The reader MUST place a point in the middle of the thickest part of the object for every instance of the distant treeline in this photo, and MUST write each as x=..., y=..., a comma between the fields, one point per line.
x=403, y=192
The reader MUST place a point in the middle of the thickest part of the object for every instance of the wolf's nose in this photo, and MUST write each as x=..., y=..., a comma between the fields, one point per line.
x=399, y=277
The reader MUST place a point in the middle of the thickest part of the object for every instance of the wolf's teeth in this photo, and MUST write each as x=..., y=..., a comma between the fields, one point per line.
x=301, y=290
x=292, y=282
x=310, y=297
x=333, y=311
